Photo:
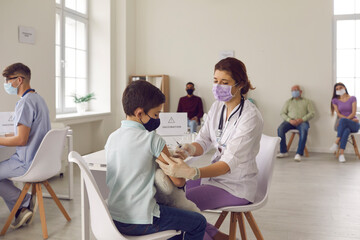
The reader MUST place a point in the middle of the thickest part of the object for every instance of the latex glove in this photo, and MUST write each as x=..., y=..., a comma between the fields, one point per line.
x=186, y=150
x=176, y=167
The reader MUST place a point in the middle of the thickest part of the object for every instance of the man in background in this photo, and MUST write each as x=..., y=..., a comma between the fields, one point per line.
x=192, y=105
x=296, y=113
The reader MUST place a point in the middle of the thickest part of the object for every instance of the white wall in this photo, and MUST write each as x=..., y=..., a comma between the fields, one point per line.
x=40, y=57
x=281, y=42
x=36, y=56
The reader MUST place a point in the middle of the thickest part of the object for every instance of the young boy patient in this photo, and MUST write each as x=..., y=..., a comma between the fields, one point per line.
x=131, y=152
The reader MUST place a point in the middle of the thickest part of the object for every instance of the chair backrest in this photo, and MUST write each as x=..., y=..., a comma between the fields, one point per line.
x=47, y=160
x=102, y=224
x=265, y=161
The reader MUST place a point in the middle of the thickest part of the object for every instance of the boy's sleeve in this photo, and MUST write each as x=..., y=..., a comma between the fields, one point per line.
x=25, y=114
x=157, y=144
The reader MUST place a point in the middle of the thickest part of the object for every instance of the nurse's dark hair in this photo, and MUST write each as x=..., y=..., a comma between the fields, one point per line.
x=141, y=94
x=336, y=96
x=17, y=68
x=237, y=71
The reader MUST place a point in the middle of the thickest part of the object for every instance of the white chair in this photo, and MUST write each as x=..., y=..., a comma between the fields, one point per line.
x=265, y=162
x=46, y=164
x=102, y=224
x=352, y=141
x=293, y=133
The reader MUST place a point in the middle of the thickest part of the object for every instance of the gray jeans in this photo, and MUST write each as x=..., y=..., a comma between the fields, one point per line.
x=8, y=191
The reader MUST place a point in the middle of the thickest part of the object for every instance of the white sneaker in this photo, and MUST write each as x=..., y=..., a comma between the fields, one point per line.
x=342, y=158
x=24, y=215
x=282, y=155
x=297, y=158
x=334, y=147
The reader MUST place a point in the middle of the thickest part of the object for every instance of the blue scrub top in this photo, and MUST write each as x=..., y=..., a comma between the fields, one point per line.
x=31, y=111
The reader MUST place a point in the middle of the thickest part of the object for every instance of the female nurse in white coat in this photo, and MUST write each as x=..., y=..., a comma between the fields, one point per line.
x=234, y=127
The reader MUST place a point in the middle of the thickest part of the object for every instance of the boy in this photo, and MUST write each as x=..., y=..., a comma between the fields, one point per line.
x=31, y=123
x=131, y=152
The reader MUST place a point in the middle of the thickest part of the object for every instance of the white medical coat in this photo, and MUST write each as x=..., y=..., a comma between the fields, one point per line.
x=242, y=143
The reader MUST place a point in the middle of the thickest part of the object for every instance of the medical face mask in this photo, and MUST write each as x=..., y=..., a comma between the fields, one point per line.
x=295, y=94
x=340, y=92
x=10, y=89
x=222, y=92
x=190, y=91
x=152, y=124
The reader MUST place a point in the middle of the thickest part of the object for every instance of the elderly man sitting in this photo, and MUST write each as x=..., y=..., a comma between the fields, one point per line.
x=296, y=113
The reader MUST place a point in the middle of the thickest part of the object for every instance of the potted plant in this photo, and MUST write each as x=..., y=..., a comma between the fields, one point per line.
x=82, y=102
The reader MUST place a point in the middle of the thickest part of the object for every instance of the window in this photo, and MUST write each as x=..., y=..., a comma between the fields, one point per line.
x=71, y=53
x=347, y=45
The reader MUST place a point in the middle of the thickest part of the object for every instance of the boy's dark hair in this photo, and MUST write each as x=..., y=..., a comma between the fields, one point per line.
x=190, y=84
x=141, y=94
x=17, y=68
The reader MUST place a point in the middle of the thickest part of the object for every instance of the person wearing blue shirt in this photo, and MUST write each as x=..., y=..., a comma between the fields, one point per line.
x=31, y=123
x=131, y=152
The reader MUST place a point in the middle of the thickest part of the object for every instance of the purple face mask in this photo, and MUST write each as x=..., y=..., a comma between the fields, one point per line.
x=222, y=92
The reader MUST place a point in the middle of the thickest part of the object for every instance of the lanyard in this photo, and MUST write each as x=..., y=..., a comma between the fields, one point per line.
x=30, y=89
x=219, y=131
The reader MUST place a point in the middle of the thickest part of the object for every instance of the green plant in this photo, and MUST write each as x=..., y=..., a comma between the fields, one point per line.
x=86, y=98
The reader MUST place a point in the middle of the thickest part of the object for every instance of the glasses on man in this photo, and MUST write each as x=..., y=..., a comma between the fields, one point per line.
x=8, y=79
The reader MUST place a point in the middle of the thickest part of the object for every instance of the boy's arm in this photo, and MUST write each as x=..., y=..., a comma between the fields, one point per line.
x=179, y=182
x=20, y=139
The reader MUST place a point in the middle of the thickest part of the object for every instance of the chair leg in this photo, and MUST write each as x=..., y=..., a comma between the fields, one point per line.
x=41, y=210
x=306, y=152
x=33, y=189
x=241, y=222
x=221, y=219
x=15, y=208
x=290, y=141
x=232, y=230
x=56, y=200
x=250, y=218
x=355, y=146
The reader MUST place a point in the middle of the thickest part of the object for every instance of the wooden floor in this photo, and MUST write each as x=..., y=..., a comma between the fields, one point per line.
x=317, y=199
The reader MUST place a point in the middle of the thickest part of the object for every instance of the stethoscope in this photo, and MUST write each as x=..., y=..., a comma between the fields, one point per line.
x=220, y=130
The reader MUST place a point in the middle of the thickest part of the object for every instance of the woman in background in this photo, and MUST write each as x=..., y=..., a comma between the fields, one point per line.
x=345, y=107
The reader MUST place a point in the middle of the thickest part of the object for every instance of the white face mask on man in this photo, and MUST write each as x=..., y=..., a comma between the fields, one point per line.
x=340, y=92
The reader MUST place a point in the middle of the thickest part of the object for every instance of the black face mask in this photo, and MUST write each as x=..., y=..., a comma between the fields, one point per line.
x=190, y=91
x=152, y=124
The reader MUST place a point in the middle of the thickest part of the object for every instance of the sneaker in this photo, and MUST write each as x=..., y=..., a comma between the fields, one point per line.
x=282, y=155
x=24, y=215
x=297, y=158
x=32, y=207
x=334, y=147
x=342, y=158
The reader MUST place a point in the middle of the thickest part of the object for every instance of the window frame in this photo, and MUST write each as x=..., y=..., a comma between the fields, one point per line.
x=64, y=13
x=336, y=18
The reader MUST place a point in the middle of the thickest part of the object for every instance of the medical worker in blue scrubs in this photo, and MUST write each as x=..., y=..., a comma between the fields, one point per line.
x=31, y=123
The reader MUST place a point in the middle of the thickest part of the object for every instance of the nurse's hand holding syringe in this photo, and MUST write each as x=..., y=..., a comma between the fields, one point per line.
x=185, y=150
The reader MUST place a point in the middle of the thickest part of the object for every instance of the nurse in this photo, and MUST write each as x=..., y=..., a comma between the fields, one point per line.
x=234, y=127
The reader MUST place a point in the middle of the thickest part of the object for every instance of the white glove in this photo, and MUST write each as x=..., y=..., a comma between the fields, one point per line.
x=186, y=150
x=176, y=167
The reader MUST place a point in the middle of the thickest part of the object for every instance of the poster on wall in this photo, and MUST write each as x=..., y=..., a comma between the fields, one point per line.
x=26, y=35
x=226, y=53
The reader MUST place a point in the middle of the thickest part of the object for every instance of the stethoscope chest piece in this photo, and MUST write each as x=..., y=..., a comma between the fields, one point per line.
x=218, y=133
